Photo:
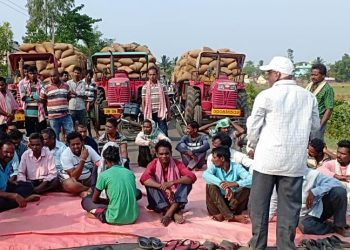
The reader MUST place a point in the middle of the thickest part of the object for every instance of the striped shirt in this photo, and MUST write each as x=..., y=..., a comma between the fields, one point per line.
x=77, y=103
x=31, y=109
x=154, y=96
x=57, y=100
x=120, y=139
x=90, y=91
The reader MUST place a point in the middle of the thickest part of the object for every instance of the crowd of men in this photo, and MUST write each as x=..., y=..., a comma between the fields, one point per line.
x=286, y=127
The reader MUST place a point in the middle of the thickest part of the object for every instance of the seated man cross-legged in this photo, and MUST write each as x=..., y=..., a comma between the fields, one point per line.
x=79, y=162
x=227, y=190
x=193, y=147
x=168, y=183
x=38, y=166
x=120, y=207
x=12, y=194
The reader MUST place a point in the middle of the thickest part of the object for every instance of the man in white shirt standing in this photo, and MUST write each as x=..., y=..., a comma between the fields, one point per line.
x=279, y=128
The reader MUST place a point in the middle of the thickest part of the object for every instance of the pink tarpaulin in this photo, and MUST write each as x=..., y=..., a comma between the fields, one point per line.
x=58, y=221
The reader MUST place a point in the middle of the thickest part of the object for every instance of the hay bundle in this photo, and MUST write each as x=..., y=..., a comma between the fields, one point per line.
x=134, y=66
x=66, y=55
x=188, y=62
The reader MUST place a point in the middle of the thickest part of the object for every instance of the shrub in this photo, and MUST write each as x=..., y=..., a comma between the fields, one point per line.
x=338, y=124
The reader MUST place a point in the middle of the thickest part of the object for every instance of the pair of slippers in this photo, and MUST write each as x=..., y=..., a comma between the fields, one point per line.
x=150, y=243
x=332, y=242
x=182, y=245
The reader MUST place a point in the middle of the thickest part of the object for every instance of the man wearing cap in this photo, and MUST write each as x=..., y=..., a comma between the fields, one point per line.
x=279, y=129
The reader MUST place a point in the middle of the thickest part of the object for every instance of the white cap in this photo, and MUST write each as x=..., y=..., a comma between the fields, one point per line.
x=280, y=64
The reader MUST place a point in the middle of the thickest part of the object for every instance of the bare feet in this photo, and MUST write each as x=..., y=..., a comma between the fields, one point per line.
x=165, y=220
x=84, y=194
x=240, y=219
x=218, y=217
x=178, y=218
x=33, y=198
x=90, y=215
x=342, y=231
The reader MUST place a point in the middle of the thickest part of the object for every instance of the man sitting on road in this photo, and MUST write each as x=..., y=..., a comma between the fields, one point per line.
x=228, y=187
x=12, y=194
x=56, y=148
x=37, y=166
x=79, y=162
x=323, y=197
x=168, y=183
x=83, y=130
x=193, y=147
x=16, y=137
x=146, y=140
x=340, y=168
x=318, y=153
x=121, y=206
x=223, y=140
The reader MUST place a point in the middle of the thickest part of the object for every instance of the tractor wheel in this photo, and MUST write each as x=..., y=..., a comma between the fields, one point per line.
x=242, y=103
x=198, y=114
x=192, y=100
x=99, y=116
x=128, y=130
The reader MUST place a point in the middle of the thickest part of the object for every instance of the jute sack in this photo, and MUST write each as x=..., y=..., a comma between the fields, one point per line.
x=60, y=46
x=48, y=47
x=232, y=65
x=58, y=54
x=40, y=48
x=27, y=46
x=126, y=61
x=67, y=53
x=70, y=60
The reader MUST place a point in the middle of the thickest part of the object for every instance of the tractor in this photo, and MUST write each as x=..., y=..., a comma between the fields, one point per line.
x=16, y=61
x=220, y=97
x=119, y=94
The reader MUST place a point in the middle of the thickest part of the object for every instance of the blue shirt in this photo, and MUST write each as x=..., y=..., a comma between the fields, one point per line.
x=236, y=173
x=57, y=151
x=5, y=175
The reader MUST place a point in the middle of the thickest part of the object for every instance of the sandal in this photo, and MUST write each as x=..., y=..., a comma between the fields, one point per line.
x=228, y=245
x=156, y=243
x=172, y=244
x=188, y=245
x=208, y=245
x=144, y=242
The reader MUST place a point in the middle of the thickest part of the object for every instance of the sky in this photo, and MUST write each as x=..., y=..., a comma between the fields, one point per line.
x=260, y=29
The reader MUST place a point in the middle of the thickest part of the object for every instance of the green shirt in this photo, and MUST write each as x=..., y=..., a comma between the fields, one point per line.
x=325, y=99
x=120, y=187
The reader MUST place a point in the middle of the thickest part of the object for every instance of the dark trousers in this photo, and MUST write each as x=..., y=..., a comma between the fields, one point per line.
x=161, y=123
x=33, y=125
x=289, y=191
x=218, y=204
x=145, y=156
x=88, y=205
x=51, y=186
x=158, y=202
x=334, y=204
x=78, y=117
x=24, y=189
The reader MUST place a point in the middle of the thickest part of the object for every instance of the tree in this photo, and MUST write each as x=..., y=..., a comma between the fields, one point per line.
x=167, y=65
x=290, y=54
x=249, y=69
x=43, y=18
x=6, y=35
x=318, y=60
x=340, y=70
x=78, y=29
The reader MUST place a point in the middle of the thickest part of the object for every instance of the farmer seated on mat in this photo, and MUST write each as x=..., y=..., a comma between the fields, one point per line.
x=37, y=166
x=120, y=207
x=79, y=162
x=12, y=194
x=228, y=187
x=146, y=140
x=193, y=147
x=318, y=153
x=168, y=183
x=323, y=197
x=223, y=140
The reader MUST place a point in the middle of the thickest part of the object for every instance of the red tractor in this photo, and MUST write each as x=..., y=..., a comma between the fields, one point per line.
x=119, y=94
x=17, y=60
x=215, y=99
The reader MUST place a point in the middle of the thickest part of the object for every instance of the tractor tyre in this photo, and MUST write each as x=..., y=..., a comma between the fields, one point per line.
x=192, y=100
x=242, y=104
x=198, y=114
x=99, y=115
x=128, y=130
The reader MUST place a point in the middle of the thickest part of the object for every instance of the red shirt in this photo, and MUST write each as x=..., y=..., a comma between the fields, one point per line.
x=150, y=171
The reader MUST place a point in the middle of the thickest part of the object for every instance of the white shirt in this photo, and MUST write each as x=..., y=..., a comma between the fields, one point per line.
x=77, y=103
x=279, y=127
x=236, y=157
x=71, y=161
